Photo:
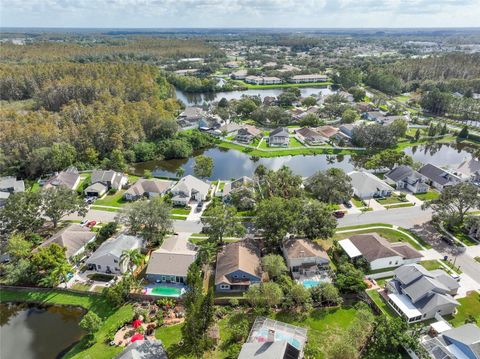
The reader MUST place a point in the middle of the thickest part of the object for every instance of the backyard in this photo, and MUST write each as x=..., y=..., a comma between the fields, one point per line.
x=469, y=310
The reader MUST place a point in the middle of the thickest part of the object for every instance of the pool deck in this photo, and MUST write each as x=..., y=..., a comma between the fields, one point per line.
x=148, y=289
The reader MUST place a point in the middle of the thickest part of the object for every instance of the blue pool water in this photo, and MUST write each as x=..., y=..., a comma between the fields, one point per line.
x=263, y=334
x=310, y=283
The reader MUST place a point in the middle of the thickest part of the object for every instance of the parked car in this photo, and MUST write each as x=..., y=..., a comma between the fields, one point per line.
x=84, y=222
x=199, y=206
x=347, y=204
x=91, y=224
x=90, y=200
x=339, y=214
x=448, y=240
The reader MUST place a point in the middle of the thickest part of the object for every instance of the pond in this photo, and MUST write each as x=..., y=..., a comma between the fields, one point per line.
x=230, y=164
x=36, y=332
x=191, y=99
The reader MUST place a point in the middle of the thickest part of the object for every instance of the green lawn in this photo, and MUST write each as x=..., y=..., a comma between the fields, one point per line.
x=431, y=264
x=81, y=286
x=477, y=259
x=389, y=234
x=35, y=187
x=293, y=142
x=360, y=226
x=381, y=304
x=400, y=205
x=469, y=308
x=394, y=199
x=431, y=194
x=112, y=317
x=462, y=236
x=357, y=202
x=104, y=209
x=180, y=211
x=113, y=200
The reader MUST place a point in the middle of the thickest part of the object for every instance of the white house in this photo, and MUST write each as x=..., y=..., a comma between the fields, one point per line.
x=405, y=177
x=378, y=252
x=102, y=181
x=469, y=170
x=437, y=177
x=106, y=258
x=366, y=185
x=189, y=188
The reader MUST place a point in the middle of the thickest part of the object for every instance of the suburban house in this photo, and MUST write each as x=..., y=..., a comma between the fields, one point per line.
x=256, y=80
x=9, y=185
x=102, y=181
x=405, y=177
x=279, y=137
x=366, y=185
x=190, y=117
x=189, y=188
x=170, y=262
x=443, y=341
x=144, y=349
x=297, y=79
x=347, y=129
x=259, y=80
x=106, y=258
x=231, y=128
x=271, y=339
x=73, y=238
x=376, y=116
x=437, y=177
x=232, y=64
x=210, y=123
x=238, y=266
x=327, y=132
x=187, y=72
x=147, y=188
x=243, y=182
x=239, y=75
x=247, y=133
x=378, y=252
x=469, y=170
x=70, y=178
x=271, y=80
x=418, y=294
x=310, y=136
x=302, y=255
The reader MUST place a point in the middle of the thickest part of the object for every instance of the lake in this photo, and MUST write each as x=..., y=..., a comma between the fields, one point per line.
x=33, y=332
x=233, y=164
x=191, y=99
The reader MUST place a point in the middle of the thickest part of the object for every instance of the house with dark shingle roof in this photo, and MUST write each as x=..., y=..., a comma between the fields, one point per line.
x=148, y=188
x=9, y=185
x=73, y=238
x=309, y=135
x=379, y=252
x=405, y=177
x=469, y=170
x=70, y=178
x=302, y=254
x=238, y=266
x=279, y=137
x=102, y=181
x=418, y=294
x=437, y=177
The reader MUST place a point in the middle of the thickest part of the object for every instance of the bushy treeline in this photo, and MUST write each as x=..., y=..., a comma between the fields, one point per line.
x=86, y=115
x=104, y=49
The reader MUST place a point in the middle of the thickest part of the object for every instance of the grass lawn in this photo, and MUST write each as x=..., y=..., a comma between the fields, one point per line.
x=389, y=234
x=112, y=317
x=357, y=202
x=360, y=226
x=469, y=307
x=431, y=264
x=400, y=205
x=35, y=187
x=462, y=236
x=81, y=286
x=389, y=200
x=180, y=211
x=112, y=200
x=477, y=259
x=97, y=208
x=381, y=304
x=428, y=196
x=293, y=142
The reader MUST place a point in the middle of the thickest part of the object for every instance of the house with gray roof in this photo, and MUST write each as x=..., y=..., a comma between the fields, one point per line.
x=106, y=258
x=189, y=188
x=309, y=135
x=147, y=188
x=279, y=137
x=144, y=349
x=247, y=133
x=303, y=255
x=366, y=185
x=405, y=177
x=102, y=181
x=190, y=117
x=170, y=262
x=378, y=252
x=9, y=185
x=70, y=178
x=437, y=177
x=242, y=183
x=418, y=294
x=73, y=238
x=446, y=342
x=469, y=170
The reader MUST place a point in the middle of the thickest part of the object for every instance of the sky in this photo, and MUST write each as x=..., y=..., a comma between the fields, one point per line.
x=240, y=13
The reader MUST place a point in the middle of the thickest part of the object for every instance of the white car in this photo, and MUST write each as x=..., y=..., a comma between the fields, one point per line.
x=84, y=222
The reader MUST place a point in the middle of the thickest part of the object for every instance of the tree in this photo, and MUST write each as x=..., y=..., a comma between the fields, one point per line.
x=203, y=166
x=436, y=102
x=221, y=221
x=463, y=133
x=286, y=98
x=297, y=297
x=388, y=159
x=317, y=221
x=374, y=136
x=432, y=130
x=90, y=322
x=151, y=219
x=310, y=120
x=417, y=135
x=282, y=183
x=131, y=258
x=243, y=198
x=274, y=265
x=18, y=247
x=358, y=93
x=349, y=116
x=399, y=127
x=350, y=279
x=326, y=294
x=309, y=101
x=264, y=296
x=107, y=231
x=454, y=202
x=50, y=265
x=60, y=201
x=347, y=77
x=18, y=272
x=22, y=213
x=180, y=172
x=330, y=186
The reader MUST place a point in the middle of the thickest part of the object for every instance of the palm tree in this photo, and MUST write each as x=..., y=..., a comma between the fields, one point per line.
x=59, y=273
x=131, y=258
x=180, y=172
x=207, y=252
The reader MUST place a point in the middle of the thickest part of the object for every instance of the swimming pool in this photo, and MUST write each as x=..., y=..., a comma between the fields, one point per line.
x=279, y=336
x=309, y=283
x=164, y=290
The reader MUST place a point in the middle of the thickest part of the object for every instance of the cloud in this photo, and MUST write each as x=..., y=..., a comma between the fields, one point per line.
x=244, y=13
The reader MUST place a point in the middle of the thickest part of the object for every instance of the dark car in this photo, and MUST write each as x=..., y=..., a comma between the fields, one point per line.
x=448, y=240
x=347, y=204
x=338, y=214
x=199, y=206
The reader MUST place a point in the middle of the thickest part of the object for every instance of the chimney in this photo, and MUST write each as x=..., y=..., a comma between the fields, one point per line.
x=271, y=336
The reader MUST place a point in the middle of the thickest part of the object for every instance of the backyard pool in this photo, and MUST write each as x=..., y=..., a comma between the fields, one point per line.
x=308, y=283
x=165, y=290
